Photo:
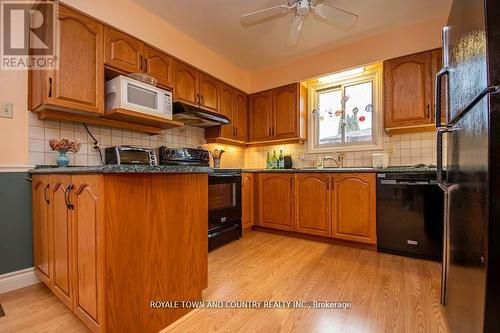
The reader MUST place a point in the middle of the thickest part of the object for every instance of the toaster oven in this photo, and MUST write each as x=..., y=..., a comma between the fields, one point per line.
x=130, y=155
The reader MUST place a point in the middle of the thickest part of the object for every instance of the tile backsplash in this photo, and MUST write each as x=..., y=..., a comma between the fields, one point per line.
x=404, y=149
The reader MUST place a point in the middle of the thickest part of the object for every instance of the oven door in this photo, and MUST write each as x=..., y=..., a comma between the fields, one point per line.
x=224, y=200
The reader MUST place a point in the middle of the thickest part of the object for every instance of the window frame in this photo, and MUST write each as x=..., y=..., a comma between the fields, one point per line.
x=372, y=73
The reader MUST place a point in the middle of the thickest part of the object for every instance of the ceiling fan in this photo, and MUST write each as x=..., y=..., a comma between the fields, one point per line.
x=301, y=8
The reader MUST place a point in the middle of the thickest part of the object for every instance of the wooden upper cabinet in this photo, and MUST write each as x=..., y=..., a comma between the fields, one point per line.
x=78, y=83
x=42, y=234
x=285, y=107
x=240, y=115
x=123, y=51
x=186, y=81
x=276, y=201
x=312, y=198
x=260, y=117
x=354, y=207
x=227, y=97
x=88, y=245
x=247, y=200
x=408, y=91
x=209, y=93
x=160, y=65
x=62, y=238
x=278, y=114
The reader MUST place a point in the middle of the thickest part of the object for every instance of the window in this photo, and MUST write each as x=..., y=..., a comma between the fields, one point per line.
x=345, y=111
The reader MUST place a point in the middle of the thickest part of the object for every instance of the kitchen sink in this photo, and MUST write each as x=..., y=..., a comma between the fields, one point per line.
x=336, y=168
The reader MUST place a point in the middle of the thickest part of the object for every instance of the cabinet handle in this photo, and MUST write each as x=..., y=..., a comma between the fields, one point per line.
x=50, y=87
x=202, y=100
x=140, y=60
x=67, y=198
x=428, y=110
x=47, y=200
x=270, y=133
x=236, y=131
x=145, y=65
x=273, y=131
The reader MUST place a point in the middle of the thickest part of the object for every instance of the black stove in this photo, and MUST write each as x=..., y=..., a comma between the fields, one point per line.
x=224, y=194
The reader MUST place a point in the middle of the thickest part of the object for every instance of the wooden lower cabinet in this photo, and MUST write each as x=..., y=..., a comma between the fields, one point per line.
x=276, y=200
x=108, y=245
x=313, y=211
x=247, y=200
x=338, y=205
x=42, y=228
x=354, y=202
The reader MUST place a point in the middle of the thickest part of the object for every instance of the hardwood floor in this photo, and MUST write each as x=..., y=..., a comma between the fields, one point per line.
x=388, y=293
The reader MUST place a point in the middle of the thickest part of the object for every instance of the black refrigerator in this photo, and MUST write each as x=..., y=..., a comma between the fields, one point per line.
x=470, y=177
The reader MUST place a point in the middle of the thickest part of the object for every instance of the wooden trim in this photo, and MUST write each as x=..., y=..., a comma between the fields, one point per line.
x=274, y=142
x=61, y=115
x=141, y=118
x=18, y=279
x=228, y=142
x=410, y=129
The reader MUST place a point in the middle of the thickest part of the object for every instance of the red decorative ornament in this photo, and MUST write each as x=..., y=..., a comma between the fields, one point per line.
x=362, y=118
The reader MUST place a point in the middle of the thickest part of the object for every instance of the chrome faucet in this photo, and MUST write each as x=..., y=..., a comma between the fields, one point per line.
x=339, y=159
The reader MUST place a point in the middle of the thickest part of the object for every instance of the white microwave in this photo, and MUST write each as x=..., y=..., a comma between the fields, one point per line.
x=125, y=93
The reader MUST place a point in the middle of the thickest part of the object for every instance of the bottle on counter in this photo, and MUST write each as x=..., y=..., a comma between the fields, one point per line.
x=274, y=160
x=268, y=161
x=281, y=160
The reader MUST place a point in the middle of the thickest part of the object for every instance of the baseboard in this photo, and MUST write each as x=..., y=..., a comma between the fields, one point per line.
x=18, y=279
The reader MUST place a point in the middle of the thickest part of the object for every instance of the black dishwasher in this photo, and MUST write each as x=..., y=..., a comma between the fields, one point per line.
x=410, y=215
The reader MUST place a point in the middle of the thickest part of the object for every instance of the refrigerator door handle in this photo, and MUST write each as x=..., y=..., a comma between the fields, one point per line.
x=437, y=94
x=439, y=147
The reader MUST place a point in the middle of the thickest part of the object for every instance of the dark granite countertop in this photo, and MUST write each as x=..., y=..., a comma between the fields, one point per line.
x=347, y=170
x=113, y=168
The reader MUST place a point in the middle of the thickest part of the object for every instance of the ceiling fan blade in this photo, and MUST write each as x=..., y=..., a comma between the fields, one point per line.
x=336, y=16
x=261, y=15
x=294, y=32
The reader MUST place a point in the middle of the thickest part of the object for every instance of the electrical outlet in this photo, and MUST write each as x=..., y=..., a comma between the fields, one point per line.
x=6, y=110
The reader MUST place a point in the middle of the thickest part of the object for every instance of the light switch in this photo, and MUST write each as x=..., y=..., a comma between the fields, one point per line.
x=6, y=110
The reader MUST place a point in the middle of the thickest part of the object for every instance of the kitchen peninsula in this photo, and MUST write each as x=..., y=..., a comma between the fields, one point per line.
x=110, y=239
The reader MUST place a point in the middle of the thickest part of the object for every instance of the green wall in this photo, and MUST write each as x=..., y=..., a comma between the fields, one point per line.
x=15, y=222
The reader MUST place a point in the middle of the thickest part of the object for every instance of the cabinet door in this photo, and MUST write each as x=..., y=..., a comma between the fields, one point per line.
x=312, y=197
x=209, y=93
x=227, y=109
x=88, y=249
x=42, y=235
x=260, y=116
x=241, y=115
x=247, y=200
x=408, y=95
x=353, y=206
x=186, y=81
x=159, y=65
x=62, y=231
x=276, y=201
x=122, y=51
x=78, y=83
x=285, y=112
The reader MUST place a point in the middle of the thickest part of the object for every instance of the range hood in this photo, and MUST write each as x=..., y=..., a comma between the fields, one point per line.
x=198, y=117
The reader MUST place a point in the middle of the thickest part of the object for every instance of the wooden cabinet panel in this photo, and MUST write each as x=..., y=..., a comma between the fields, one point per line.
x=88, y=249
x=122, y=51
x=42, y=235
x=276, y=201
x=284, y=112
x=353, y=205
x=186, y=81
x=240, y=115
x=408, y=91
x=78, y=83
x=209, y=93
x=312, y=197
x=227, y=109
x=62, y=238
x=260, y=116
x=160, y=65
x=247, y=200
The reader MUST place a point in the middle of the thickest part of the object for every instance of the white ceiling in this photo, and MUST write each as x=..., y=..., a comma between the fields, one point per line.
x=216, y=24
